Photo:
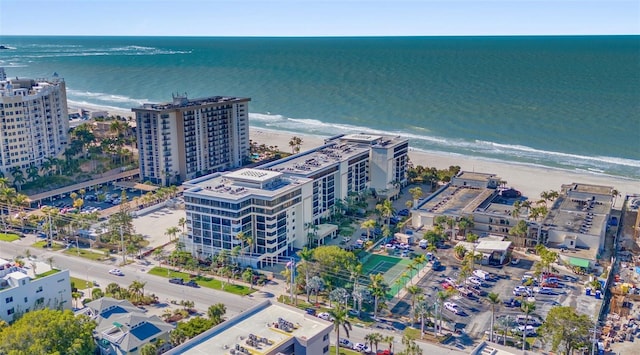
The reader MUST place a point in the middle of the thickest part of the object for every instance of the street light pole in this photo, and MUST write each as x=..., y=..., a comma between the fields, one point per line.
x=124, y=261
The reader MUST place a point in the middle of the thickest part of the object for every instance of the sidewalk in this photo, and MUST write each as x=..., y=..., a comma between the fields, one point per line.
x=423, y=272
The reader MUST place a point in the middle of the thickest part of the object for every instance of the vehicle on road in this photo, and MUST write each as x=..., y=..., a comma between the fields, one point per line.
x=192, y=283
x=176, y=280
x=116, y=272
x=361, y=348
x=325, y=316
x=452, y=307
x=345, y=343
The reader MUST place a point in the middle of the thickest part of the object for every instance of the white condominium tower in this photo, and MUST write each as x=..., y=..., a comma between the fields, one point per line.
x=267, y=206
x=186, y=139
x=35, y=122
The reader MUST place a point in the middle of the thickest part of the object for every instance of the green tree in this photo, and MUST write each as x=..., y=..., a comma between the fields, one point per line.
x=172, y=232
x=494, y=300
x=368, y=225
x=565, y=329
x=216, y=313
x=413, y=291
x=340, y=319
x=379, y=288
x=423, y=310
x=306, y=257
x=149, y=349
x=386, y=210
x=527, y=308
x=47, y=331
x=520, y=231
x=247, y=276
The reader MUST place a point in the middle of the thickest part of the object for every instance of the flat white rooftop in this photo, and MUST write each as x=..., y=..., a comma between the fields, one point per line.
x=252, y=175
x=259, y=322
x=361, y=137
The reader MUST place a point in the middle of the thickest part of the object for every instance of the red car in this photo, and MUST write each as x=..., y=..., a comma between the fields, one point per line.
x=446, y=285
x=384, y=352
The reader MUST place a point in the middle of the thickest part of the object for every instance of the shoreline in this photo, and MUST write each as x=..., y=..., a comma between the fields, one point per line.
x=531, y=180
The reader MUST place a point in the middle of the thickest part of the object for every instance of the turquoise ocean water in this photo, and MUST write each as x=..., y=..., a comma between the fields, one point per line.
x=564, y=102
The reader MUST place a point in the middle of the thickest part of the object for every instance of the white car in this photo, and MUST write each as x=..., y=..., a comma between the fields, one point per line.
x=116, y=272
x=475, y=281
x=452, y=307
x=325, y=316
x=389, y=246
x=522, y=291
x=451, y=281
x=345, y=343
x=363, y=348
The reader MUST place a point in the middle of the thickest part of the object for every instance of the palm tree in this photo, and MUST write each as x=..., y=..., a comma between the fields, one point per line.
x=182, y=222
x=423, y=310
x=441, y=298
x=389, y=340
x=414, y=291
x=386, y=210
x=379, y=289
x=172, y=232
x=306, y=257
x=494, y=300
x=368, y=225
x=137, y=289
x=527, y=308
x=416, y=194
x=340, y=319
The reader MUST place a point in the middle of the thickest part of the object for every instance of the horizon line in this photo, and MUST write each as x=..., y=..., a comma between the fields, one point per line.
x=329, y=36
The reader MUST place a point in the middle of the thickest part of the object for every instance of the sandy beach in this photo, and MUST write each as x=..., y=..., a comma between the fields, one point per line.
x=530, y=180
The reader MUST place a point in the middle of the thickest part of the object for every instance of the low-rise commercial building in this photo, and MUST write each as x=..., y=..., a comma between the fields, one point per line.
x=22, y=289
x=577, y=223
x=268, y=328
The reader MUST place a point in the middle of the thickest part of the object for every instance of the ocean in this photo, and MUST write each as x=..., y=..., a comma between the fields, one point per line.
x=561, y=102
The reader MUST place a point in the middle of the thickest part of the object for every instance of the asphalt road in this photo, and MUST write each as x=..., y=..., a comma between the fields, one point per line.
x=202, y=297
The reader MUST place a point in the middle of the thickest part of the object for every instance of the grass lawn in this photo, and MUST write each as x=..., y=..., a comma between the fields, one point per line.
x=43, y=243
x=80, y=283
x=85, y=254
x=343, y=351
x=50, y=272
x=8, y=237
x=204, y=281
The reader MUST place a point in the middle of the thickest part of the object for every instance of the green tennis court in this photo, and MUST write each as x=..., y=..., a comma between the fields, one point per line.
x=391, y=269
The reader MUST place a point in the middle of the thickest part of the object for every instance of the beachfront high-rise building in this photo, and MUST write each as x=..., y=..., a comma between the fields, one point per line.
x=280, y=205
x=35, y=122
x=266, y=206
x=186, y=139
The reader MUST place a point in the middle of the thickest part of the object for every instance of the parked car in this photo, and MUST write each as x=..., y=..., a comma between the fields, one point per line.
x=310, y=311
x=452, y=307
x=481, y=274
x=363, y=348
x=176, y=280
x=389, y=246
x=475, y=280
x=522, y=291
x=116, y=272
x=345, y=343
x=512, y=302
x=403, y=213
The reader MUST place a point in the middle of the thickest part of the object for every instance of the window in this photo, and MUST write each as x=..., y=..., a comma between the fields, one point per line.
x=10, y=311
x=325, y=350
x=39, y=289
x=9, y=299
x=25, y=300
x=325, y=337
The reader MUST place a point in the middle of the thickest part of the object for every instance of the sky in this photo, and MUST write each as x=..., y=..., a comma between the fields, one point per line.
x=318, y=18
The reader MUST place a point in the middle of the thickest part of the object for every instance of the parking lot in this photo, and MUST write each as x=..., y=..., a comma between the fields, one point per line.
x=112, y=197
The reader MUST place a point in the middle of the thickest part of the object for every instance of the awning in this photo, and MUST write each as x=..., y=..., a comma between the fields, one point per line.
x=579, y=262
